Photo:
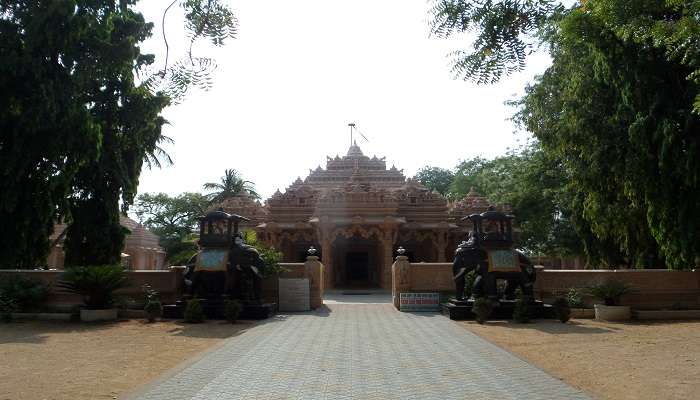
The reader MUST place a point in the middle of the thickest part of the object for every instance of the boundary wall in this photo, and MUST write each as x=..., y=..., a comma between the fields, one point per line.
x=654, y=288
x=169, y=284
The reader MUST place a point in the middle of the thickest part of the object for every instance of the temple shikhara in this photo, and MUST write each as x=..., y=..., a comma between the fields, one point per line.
x=357, y=212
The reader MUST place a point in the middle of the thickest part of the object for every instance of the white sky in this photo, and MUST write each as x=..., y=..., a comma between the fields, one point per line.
x=299, y=71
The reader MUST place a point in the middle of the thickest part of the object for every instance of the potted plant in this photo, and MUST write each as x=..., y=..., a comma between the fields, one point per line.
x=96, y=284
x=577, y=305
x=152, y=305
x=482, y=309
x=610, y=291
x=562, y=309
x=232, y=309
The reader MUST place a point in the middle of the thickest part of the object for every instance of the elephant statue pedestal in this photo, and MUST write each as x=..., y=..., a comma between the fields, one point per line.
x=461, y=310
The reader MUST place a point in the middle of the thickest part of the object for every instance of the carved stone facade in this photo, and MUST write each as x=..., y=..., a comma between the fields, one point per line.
x=357, y=212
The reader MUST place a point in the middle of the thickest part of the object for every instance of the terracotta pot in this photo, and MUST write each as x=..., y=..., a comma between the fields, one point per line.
x=98, y=315
x=612, y=313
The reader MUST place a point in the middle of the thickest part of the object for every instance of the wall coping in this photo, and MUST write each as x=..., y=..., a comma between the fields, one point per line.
x=598, y=271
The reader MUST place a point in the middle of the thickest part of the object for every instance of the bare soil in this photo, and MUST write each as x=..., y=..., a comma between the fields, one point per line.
x=72, y=360
x=636, y=360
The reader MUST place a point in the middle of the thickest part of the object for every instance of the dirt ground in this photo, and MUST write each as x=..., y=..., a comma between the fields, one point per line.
x=71, y=360
x=636, y=360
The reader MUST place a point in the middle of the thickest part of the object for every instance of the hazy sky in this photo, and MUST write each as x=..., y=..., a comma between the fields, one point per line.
x=299, y=71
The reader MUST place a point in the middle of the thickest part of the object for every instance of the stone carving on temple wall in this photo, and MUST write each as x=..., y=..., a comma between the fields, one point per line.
x=357, y=230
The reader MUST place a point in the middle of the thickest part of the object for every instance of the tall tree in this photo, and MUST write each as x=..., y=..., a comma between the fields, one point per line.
x=436, y=178
x=76, y=126
x=231, y=184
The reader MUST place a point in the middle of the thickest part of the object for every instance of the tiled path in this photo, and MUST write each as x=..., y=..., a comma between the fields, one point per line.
x=356, y=348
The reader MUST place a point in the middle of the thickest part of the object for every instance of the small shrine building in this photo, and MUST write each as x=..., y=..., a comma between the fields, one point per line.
x=356, y=212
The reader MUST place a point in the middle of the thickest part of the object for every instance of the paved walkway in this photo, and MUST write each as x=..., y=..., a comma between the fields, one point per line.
x=359, y=347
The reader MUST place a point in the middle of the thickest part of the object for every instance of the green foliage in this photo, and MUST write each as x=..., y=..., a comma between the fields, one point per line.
x=232, y=309
x=232, y=185
x=617, y=108
x=521, y=310
x=25, y=293
x=562, y=309
x=505, y=33
x=77, y=126
x=532, y=183
x=95, y=283
x=574, y=298
x=7, y=307
x=482, y=309
x=271, y=256
x=435, y=178
x=152, y=305
x=194, y=312
x=610, y=291
x=204, y=19
x=174, y=220
x=469, y=280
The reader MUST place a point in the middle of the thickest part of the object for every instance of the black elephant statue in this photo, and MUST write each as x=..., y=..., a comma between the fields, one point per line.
x=489, y=252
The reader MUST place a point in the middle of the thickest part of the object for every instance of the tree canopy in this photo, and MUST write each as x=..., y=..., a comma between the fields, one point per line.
x=76, y=123
x=618, y=108
x=231, y=184
x=436, y=178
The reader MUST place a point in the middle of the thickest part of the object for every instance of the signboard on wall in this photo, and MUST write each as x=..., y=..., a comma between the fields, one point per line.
x=294, y=295
x=212, y=260
x=419, y=302
x=503, y=261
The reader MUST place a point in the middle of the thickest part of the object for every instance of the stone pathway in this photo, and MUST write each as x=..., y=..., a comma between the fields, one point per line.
x=359, y=348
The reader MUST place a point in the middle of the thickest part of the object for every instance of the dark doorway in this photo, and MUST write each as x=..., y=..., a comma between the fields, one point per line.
x=357, y=267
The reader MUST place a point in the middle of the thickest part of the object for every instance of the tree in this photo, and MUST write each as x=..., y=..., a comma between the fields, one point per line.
x=232, y=184
x=76, y=125
x=173, y=219
x=435, y=178
x=619, y=112
x=533, y=184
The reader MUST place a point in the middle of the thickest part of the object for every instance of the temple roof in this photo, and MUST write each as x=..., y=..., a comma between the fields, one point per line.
x=355, y=151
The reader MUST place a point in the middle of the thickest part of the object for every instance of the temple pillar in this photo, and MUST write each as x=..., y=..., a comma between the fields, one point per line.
x=441, y=245
x=327, y=259
x=387, y=260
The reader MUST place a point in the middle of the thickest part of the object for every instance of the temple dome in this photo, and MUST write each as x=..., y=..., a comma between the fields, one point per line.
x=355, y=151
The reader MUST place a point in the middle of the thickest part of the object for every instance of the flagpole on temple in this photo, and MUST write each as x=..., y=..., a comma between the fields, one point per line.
x=352, y=126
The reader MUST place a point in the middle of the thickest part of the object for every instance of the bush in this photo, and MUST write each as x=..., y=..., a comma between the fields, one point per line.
x=562, y=309
x=7, y=307
x=482, y=309
x=270, y=256
x=194, y=312
x=610, y=291
x=95, y=283
x=232, y=309
x=521, y=311
x=574, y=298
x=27, y=294
x=469, y=279
x=152, y=305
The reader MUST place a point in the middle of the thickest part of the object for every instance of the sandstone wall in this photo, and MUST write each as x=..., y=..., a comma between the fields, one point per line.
x=653, y=288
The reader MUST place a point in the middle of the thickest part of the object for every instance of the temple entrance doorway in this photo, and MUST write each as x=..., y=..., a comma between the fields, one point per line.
x=357, y=262
x=357, y=268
